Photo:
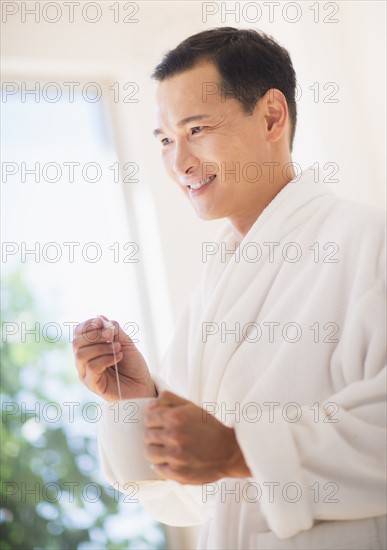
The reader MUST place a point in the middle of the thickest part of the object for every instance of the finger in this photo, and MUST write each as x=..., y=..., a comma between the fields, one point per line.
x=108, y=333
x=166, y=416
x=161, y=417
x=168, y=399
x=95, y=329
x=93, y=350
x=153, y=417
x=110, y=328
x=156, y=436
x=86, y=353
x=106, y=322
x=90, y=324
x=170, y=471
x=163, y=454
x=87, y=358
x=92, y=337
x=97, y=371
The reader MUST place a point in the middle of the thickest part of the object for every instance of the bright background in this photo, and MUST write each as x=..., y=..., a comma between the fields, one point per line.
x=338, y=52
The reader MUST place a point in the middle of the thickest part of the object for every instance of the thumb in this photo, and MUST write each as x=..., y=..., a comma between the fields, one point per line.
x=121, y=336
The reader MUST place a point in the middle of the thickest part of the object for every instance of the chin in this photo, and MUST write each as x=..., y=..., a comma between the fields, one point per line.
x=208, y=216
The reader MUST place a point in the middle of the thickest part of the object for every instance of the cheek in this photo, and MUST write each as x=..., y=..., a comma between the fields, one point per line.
x=221, y=147
x=166, y=158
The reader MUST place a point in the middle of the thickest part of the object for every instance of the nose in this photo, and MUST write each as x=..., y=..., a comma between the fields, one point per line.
x=184, y=161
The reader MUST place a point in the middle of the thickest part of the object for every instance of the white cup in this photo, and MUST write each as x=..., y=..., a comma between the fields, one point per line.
x=122, y=447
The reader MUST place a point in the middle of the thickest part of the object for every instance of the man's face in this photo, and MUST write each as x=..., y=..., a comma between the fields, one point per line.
x=208, y=139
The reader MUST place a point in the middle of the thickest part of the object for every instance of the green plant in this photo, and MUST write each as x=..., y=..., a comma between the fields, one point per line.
x=51, y=494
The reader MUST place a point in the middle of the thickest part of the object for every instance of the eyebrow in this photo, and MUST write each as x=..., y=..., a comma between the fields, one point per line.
x=182, y=122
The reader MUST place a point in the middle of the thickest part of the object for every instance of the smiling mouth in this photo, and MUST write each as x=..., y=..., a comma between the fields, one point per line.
x=200, y=184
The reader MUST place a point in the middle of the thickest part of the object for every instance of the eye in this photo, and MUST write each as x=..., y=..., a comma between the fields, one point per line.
x=196, y=129
x=165, y=141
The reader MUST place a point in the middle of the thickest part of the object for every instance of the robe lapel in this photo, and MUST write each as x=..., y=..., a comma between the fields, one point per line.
x=239, y=290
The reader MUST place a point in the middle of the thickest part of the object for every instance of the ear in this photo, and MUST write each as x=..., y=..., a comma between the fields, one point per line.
x=276, y=114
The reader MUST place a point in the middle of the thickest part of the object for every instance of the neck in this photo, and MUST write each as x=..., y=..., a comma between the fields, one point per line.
x=242, y=223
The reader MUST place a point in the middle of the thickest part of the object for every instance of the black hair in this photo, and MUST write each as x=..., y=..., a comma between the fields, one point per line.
x=250, y=63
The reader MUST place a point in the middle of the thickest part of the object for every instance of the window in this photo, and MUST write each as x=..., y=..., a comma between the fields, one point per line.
x=67, y=255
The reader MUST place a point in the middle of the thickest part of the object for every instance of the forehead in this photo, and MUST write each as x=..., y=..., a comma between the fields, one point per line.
x=191, y=92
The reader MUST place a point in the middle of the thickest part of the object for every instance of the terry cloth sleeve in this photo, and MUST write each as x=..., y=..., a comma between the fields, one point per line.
x=328, y=466
x=167, y=501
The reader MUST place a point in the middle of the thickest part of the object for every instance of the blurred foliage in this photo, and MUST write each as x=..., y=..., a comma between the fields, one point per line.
x=51, y=493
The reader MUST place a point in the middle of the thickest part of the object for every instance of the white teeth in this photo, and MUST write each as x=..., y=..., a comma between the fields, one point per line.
x=201, y=183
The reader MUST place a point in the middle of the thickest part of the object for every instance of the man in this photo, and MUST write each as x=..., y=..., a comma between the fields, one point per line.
x=269, y=422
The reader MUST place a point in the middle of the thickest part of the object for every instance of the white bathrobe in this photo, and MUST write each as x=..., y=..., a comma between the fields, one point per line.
x=285, y=341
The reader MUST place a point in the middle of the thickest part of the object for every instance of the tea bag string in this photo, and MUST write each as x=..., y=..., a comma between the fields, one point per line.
x=109, y=326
